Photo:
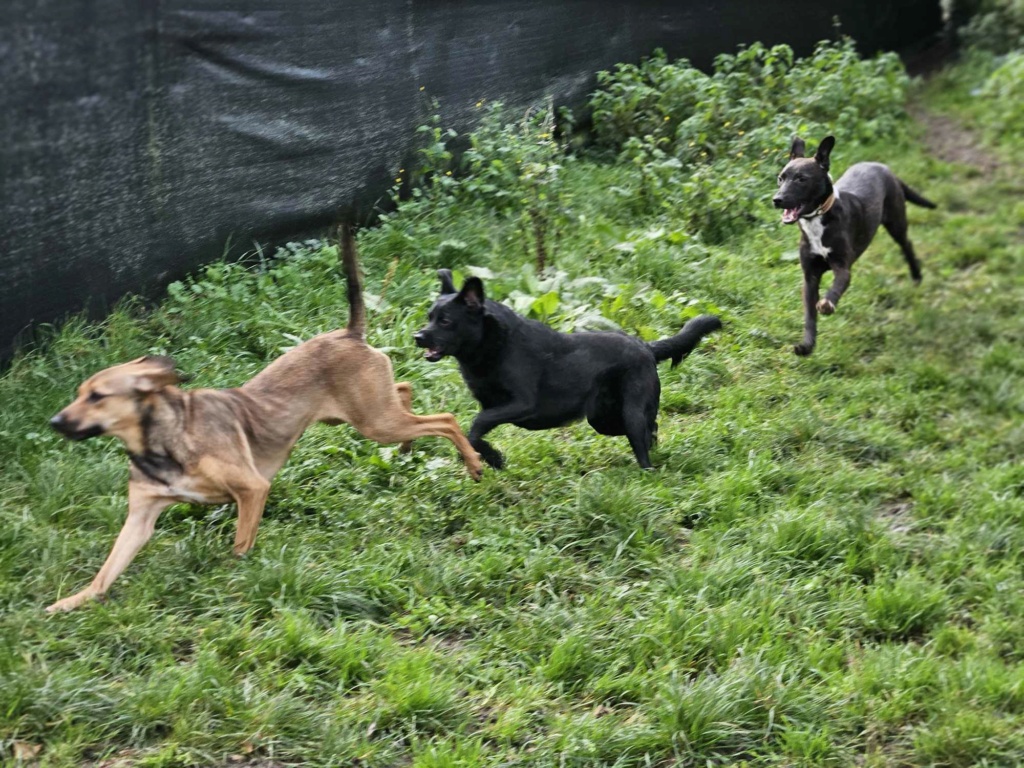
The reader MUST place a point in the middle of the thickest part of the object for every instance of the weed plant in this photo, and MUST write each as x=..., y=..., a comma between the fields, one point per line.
x=825, y=568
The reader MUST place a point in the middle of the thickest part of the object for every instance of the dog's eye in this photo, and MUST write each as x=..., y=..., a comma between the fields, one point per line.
x=798, y=178
x=445, y=322
x=95, y=397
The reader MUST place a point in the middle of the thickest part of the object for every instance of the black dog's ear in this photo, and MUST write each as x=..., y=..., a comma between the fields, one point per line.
x=472, y=293
x=447, y=286
x=824, y=150
x=797, y=148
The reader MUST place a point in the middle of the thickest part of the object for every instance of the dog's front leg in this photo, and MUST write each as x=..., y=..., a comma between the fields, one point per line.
x=840, y=283
x=143, y=509
x=487, y=420
x=812, y=281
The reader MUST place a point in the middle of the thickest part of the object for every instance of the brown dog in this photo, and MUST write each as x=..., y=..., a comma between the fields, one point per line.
x=212, y=446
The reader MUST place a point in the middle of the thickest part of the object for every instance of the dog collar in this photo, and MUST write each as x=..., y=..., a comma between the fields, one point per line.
x=825, y=207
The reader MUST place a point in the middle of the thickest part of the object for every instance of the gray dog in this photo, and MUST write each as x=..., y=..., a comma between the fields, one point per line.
x=838, y=222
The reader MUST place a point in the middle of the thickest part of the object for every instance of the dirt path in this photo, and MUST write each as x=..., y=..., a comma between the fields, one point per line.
x=948, y=139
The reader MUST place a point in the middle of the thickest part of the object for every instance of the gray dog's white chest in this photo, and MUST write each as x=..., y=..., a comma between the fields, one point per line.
x=813, y=229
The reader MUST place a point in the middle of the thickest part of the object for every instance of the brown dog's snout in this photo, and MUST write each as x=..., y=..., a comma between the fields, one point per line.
x=73, y=430
x=60, y=423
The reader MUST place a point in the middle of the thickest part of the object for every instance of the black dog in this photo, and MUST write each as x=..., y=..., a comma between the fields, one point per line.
x=839, y=222
x=527, y=374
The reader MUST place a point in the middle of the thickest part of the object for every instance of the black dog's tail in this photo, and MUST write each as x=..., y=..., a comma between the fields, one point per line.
x=683, y=343
x=349, y=265
x=914, y=197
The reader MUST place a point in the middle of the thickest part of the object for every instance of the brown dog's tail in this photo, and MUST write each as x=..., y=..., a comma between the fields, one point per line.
x=349, y=265
x=914, y=197
x=675, y=348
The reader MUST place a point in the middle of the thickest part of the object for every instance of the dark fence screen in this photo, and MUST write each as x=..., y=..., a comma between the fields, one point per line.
x=139, y=138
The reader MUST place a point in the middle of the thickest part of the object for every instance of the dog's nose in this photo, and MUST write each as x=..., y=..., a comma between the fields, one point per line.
x=420, y=338
x=777, y=201
x=58, y=422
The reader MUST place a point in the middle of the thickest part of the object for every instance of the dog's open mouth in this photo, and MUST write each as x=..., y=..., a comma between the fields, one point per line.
x=83, y=434
x=790, y=215
x=433, y=354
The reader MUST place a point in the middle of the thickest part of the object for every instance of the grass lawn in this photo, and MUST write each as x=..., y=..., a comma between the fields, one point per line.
x=826, y=567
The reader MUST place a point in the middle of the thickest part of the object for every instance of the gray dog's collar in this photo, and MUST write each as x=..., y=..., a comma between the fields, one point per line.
x=826, y=206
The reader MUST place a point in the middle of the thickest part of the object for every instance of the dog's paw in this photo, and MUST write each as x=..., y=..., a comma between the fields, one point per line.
x=493, y=457
x=241, y=548
x=72, y=602
x=826, y=307
x=475, y=468
x=803, y=349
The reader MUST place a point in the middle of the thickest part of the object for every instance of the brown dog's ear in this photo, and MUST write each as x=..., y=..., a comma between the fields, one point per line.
x=447, y=285
x=156, y=372
x=472, y=293
x=797, y=148
x=824, y=150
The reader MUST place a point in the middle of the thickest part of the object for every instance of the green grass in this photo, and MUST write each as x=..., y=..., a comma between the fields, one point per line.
x=825, y=569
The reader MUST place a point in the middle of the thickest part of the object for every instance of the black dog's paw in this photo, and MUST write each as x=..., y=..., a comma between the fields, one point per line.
x=803, y=349
x=490, y=454
x=494, y=458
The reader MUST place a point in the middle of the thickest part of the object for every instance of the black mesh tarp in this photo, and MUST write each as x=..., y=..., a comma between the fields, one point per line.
x=139, y=138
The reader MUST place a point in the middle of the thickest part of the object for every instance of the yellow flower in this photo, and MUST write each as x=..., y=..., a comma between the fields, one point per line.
x=398, y=180
x=796, y=111
x=667, y=118
x=742, y=132
x=447, y=173
x=423, y=87
x=479, y=103
x=727, y=123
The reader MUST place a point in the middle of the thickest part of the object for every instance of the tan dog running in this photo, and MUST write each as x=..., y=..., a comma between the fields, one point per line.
x=212, y=446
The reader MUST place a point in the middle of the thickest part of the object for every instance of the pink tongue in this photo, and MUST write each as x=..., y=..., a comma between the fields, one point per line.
x=790, y=214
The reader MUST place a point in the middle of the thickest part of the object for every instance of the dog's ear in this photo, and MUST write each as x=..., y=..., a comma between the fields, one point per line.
x=447, y=286
x=154, y=372
x=824, y=150
x=472, y=293
x=797, y=148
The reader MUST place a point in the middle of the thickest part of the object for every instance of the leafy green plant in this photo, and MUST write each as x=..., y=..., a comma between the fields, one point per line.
x=1005, y=89
x=517, y=169
x=511, y=168
x=700, y=142
x=997, y=26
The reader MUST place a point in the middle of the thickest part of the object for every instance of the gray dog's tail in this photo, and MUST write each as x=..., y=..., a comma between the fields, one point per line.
x=683, y=343
x=914, y=197
x=349, y=265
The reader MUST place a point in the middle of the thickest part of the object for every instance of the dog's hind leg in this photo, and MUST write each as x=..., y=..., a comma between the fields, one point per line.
x=404, y=390
x=897, y=228
x=251, y=498
x=639, y=417
x=640, y=435
x=400, y=426
x=143, y=509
